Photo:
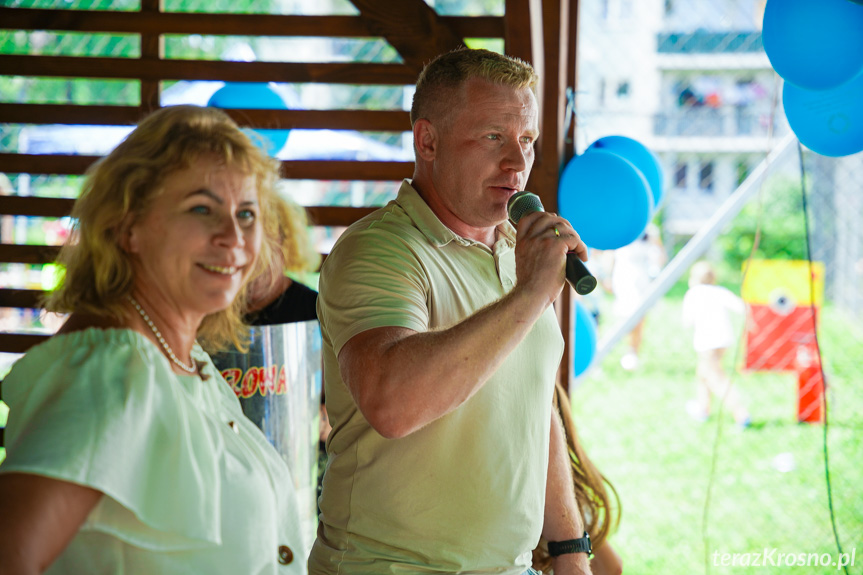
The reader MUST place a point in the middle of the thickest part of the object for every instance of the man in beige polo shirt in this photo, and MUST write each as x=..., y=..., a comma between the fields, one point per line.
x=441, y=348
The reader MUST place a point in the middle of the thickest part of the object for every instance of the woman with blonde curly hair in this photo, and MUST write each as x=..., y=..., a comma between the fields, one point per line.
x=599, y=508
x=126, y=451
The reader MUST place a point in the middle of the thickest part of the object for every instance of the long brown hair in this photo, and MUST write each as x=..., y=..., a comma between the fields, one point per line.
x=596, y=497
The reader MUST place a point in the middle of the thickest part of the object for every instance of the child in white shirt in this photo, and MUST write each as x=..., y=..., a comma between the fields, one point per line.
x=708, y=308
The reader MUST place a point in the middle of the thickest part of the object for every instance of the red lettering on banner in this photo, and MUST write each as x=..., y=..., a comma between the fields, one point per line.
x=282, y=384
x=271, y=380
x=234, y=377
x=250, y=382
x=267, y=383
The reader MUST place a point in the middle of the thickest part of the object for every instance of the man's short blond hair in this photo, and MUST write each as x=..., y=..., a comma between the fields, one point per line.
x=440, y=80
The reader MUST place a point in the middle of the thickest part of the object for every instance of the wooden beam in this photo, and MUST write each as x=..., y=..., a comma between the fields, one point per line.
x=15, y=254
x=152, y=50
x=412, y=27
x=19, y=342
x=364, y=120
x=291, y=169
x=552, y=61
x=222, y=24
x=517, y=30
x=133, y=68
x=26, y=298
x=61, y=207
x=572, y=80
x=556, y=52
x=346, y=170
x=35, y=206
x=45, y=164
x=69, y=114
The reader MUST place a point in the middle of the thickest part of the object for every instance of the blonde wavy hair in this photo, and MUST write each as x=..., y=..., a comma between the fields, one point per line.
x=295, y=246
x=596, y=497
x=440, y=81
x=122, y=185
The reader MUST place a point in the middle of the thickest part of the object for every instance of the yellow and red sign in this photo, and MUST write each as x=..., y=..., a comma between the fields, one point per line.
x=784, y=297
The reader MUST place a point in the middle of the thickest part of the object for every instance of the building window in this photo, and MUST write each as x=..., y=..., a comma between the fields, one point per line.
x=680, y=175
x=669, y=7
x=705, y=177
x=602, y=91
x=604, y=9
x=623, y=90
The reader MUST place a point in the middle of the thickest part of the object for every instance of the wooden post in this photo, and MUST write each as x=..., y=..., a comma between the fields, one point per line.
x=152, y=48
x=551, y=21
x=412, y=27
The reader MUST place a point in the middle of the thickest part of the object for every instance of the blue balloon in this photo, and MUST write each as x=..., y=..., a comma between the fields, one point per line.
x=254, y=96
x=606, y=198
x=816, y=44
x=585, y=340
x=829, y=122
x=639, y=155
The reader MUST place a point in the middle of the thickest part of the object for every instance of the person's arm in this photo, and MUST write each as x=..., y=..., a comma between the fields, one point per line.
x=39, y=516
x=402, y=380
x=562, y=516
x=606, y=561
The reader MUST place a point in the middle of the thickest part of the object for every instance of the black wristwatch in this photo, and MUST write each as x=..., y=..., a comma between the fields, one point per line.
x=580, y=545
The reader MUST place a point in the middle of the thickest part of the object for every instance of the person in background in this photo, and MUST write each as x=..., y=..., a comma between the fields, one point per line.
x=634, y=267
x=600, y=510
x=441, y=349
x=281, y=299
x=707, y=308
x=126, y=450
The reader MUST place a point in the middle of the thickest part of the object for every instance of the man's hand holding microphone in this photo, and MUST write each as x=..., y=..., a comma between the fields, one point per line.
x=543, y=241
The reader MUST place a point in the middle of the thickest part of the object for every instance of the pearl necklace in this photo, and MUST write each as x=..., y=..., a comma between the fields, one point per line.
x=191, y=370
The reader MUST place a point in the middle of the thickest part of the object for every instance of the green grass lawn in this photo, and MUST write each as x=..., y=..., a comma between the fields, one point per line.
x=768, y=488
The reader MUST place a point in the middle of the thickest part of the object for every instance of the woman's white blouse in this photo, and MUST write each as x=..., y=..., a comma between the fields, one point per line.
x=190, y=485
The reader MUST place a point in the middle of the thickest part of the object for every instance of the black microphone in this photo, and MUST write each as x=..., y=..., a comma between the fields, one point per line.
x=578, y=276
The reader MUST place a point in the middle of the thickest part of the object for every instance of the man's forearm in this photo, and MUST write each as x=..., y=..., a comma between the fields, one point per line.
x=413, y=379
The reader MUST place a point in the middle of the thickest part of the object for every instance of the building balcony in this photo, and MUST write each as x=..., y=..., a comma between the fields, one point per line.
x=704, y=42
x=707, y=122
x=702, y=50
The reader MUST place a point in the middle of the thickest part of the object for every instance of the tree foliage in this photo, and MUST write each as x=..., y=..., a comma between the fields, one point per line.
x=779, y=209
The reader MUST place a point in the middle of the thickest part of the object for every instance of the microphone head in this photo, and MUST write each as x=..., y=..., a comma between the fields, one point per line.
x=522, y=203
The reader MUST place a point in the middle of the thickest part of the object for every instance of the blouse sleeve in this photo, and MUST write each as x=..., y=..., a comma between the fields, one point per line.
x=103, y=412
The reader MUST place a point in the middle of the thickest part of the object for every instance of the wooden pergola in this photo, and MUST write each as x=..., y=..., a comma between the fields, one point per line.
x=542, y=32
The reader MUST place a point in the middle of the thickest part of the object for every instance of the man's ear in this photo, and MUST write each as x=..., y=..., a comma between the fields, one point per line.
x=126, y=234
x=425, y=139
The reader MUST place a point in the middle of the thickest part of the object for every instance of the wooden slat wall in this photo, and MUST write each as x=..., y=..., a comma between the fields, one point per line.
x=151, y=68
x=531, y=29
x=234, y=24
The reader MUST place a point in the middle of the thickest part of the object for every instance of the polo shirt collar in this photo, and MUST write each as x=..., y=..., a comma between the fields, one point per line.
x=432, y=228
